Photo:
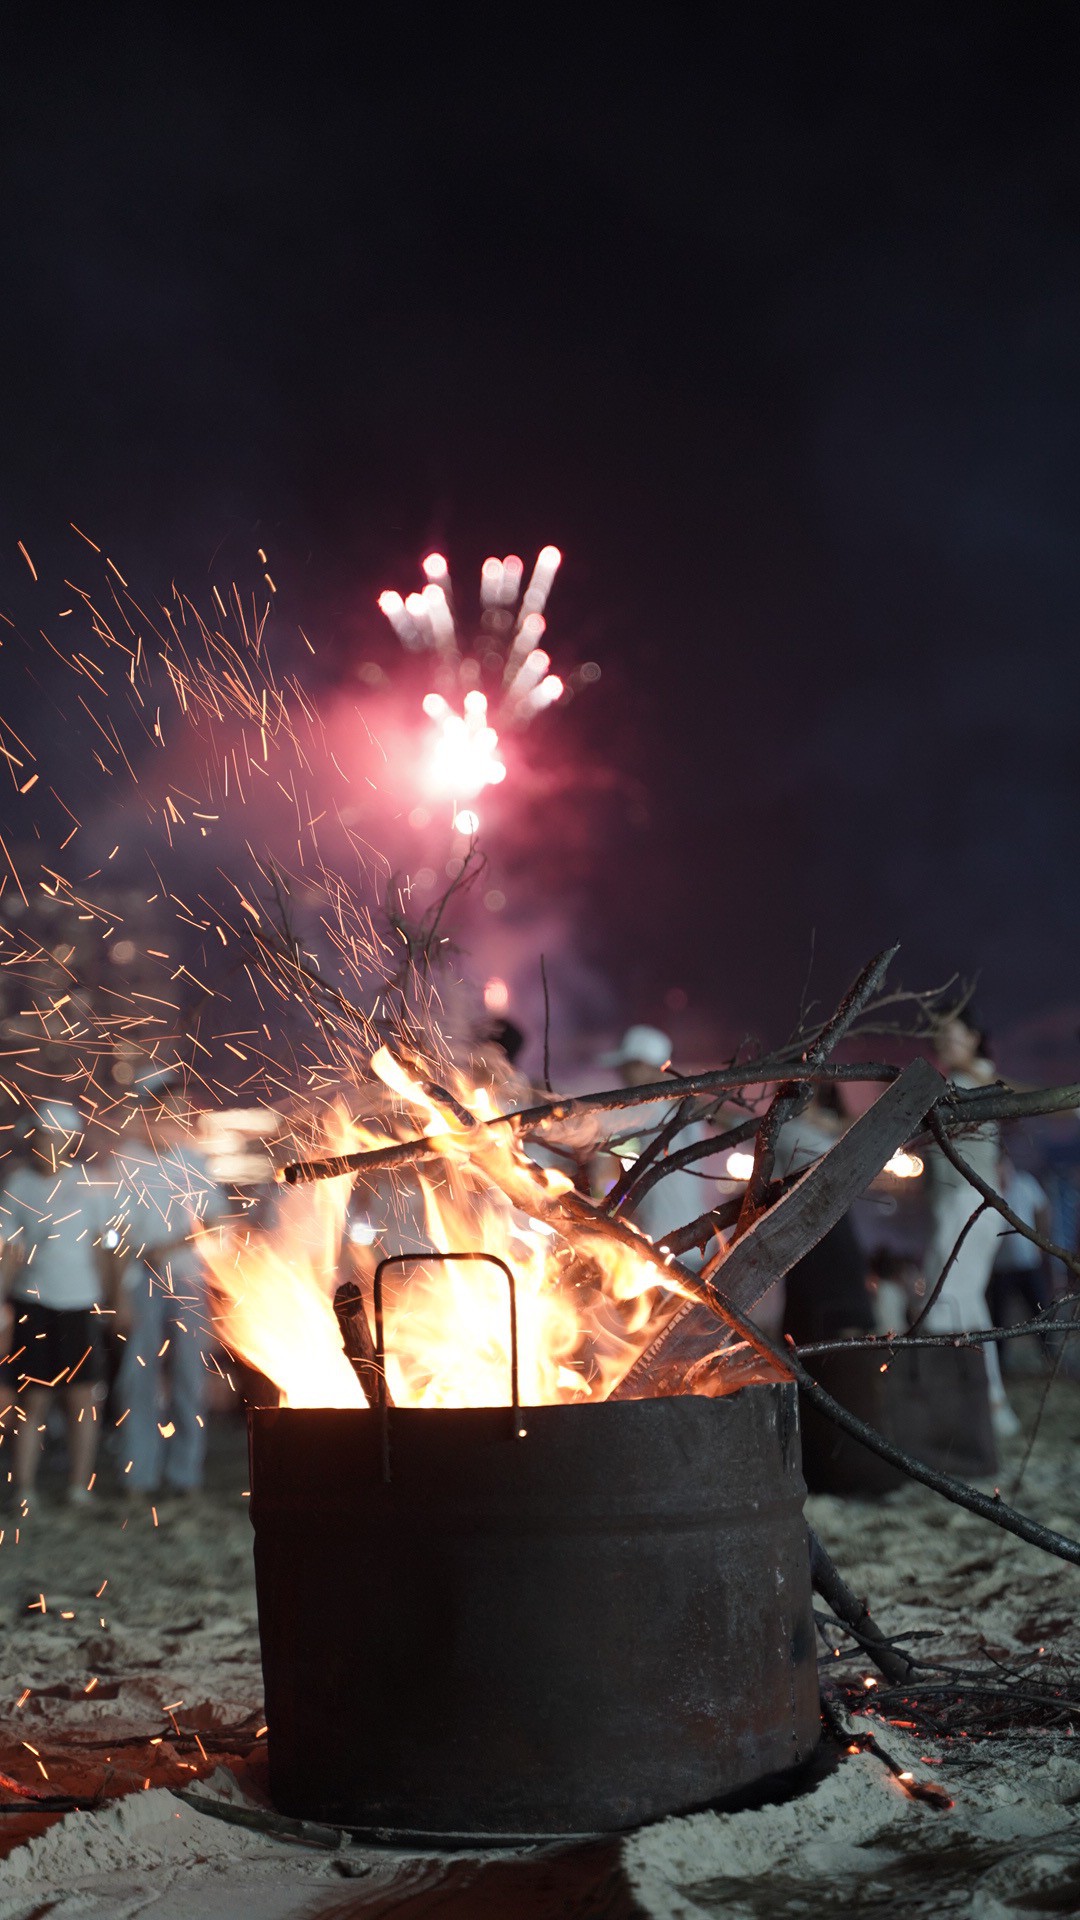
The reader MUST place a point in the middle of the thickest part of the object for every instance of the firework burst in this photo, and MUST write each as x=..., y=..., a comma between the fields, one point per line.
x=485, y=684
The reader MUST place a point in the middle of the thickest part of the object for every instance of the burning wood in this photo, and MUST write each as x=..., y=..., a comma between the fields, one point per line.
x=471, y=1185
x=645, y=1290
x=356, y=1338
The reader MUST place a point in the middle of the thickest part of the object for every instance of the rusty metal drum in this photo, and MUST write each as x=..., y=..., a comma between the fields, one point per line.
x=567, y=1620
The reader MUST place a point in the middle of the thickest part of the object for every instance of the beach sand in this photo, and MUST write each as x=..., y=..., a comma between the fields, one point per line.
x=130, y=1673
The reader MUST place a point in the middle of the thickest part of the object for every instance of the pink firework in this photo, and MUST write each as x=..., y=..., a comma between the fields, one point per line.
x=462, y=754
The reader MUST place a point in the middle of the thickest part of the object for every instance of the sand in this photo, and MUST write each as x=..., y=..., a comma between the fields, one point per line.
x=113, y=1701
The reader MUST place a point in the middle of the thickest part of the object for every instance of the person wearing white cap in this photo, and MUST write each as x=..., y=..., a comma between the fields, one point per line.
x=54, y=1276
x=641, y=1057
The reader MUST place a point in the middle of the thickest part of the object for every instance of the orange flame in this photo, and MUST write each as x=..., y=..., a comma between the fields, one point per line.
x=272, y=1292
x=584, y=1301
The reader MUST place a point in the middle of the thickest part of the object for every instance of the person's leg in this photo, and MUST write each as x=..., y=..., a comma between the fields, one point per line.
x=83, y=1433
x=137, y=1388
x=185, y=1452
x=28, y=1437
x=1035, y=1289
x=998, y=1289
x=1003, y=1418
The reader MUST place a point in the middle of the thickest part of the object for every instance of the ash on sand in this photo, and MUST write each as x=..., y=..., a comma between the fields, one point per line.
x=119, y=1711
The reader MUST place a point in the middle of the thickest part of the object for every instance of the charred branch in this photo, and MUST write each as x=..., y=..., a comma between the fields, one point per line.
x=1050, y=1321
x=827, y=1580
x=792, y=1096
x=987, y=1507
x=356, y=1338
x=992, y=1198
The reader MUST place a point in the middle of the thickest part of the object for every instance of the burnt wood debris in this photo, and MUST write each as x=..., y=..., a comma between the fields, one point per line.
x=776, y=1221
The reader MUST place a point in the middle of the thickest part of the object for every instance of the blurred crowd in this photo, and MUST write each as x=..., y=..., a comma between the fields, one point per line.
x=104, y=1301
x=106, y=1324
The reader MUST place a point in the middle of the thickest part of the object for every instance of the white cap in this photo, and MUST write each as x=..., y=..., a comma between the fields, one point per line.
x=646, y=1044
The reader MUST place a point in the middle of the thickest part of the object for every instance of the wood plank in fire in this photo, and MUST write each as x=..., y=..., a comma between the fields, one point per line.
x=810, y=1208
x=784, y=1232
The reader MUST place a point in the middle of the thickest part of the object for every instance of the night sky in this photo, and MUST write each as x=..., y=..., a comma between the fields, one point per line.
x=772, y=323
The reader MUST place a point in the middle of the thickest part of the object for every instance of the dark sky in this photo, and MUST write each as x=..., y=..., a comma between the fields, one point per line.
x=772, y=322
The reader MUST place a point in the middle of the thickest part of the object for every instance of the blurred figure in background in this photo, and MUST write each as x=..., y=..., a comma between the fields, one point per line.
x=641, y=1057
x=962, y=1306
x=168, y=1198
x=827, y=1296
x=55, y=1276
x=897, y=1289
x=1020, y=1282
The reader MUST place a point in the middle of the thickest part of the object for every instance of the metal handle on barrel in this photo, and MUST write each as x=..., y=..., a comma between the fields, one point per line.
x=426, y=1259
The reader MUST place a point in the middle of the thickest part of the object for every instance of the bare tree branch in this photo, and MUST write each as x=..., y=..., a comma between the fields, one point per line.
x=790, y=1098
x=965, y=1107
x=974, y=1105
x=1045, y=1322
x=939, y=1284
x=629, y=1180
x=994, y=1199
x=827, y=1580
x=987, y=1507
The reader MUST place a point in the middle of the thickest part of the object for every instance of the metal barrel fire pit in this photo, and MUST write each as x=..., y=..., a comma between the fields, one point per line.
x=484, y=1624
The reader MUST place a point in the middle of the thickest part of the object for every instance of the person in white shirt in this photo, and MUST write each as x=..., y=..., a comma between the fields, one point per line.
x=1020, y=1267
x=962, y=1305
x=682, y=1196
x=168, y=1197
x=54, y=1277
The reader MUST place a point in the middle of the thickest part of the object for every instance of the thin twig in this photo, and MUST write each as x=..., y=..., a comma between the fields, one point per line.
x=630, y=1176
x=790, y=1098
x=938, y=1286
x=1043, y=1323
x=695, y=1150
x=1034, y=1434
x=697, y=1233
x=996, y=1200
